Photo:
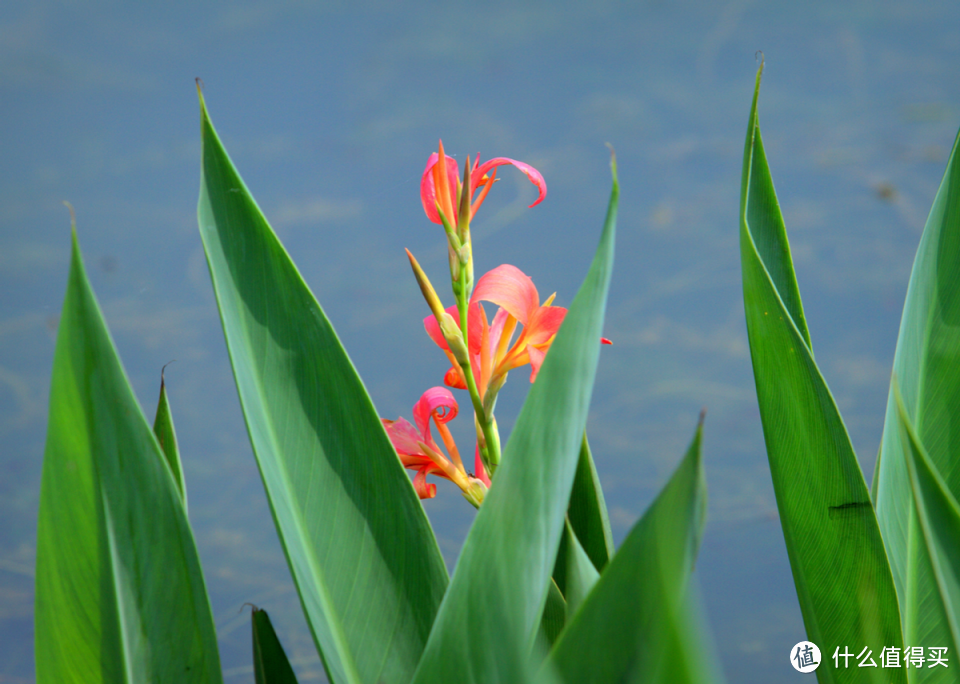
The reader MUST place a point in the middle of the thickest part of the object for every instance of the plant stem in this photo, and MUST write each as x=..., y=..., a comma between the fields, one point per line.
x=490, y=444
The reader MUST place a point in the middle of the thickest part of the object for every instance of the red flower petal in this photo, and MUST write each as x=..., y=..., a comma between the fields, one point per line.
x=437, y=400
x=424, y=489
x=544, y=324
x=536, y=360
x=481, y=473
x=511, y=288
x=403, y=436
x=428, y=189
x=535, y=176
x=454, y=378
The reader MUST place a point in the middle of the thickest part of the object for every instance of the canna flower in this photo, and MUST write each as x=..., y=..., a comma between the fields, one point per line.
x=493, y=353
x=418, y=451
x=441, y=186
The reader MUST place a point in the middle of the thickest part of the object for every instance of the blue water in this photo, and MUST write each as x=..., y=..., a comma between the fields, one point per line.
x=330, y=111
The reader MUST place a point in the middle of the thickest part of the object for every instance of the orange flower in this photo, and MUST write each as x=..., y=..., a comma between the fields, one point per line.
x=492, y=355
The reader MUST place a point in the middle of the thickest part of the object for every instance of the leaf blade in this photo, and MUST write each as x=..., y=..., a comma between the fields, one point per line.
x=633, y=619
x=113, y=540
x=938, y=517
x=581, y=574
x=362, y=554
x=166, y=435
x=927, y=367
x=270, y=664
x=588, y=510
x=837, y=556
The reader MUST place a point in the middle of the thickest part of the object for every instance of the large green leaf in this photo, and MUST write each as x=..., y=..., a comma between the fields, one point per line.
x=487, y=620
x=927, y=368
x=631, y=627
x=119, y=591
x=937, y=548
x=360, y=549
x=839, y=565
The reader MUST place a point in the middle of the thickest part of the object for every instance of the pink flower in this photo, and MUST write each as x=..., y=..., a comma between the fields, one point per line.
x=492, y=352
x=418, y=451
x=440, y=186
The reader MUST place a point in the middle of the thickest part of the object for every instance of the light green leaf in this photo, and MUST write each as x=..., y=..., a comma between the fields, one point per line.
x=360, y=549
x=489, y=616
x=927, y=367
x=167, y=438
x=270, y=664
x=937, y=550
x=113, y=542
x=839, y=564
x=632, y=626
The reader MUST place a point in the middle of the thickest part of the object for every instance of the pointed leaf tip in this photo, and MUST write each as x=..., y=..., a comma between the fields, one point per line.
x=352, y=553
x=613, y=163
x=107, y=504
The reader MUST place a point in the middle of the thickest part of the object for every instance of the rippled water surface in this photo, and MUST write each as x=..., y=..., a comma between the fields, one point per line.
x=330, y=110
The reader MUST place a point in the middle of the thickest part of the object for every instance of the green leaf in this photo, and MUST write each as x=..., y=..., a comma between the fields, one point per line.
x=938, y=549
x=632, y=626
x=167, y=438
x=487, y=621
x=581, y=574
x=575, y=569
x=588, y=510
x=927, y=368
x=587, y=517
x=360, y=549
x=839, y=564
x=120, y=595
x=270, y=664
x=553, y=618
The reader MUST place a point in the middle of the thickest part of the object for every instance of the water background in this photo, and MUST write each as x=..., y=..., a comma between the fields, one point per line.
x=330, y=110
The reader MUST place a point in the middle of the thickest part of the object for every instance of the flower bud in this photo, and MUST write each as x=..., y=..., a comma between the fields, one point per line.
x=454, y=337
x=429, y=294
x=475, y=492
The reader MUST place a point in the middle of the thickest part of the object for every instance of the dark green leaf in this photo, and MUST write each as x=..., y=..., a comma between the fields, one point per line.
x=360, y=549
x=119, y=591
x=836, y=553
x=588, y=511
x=167, y=437
x=270, y=664
x=553, y=618
x=633, y=625
x=588, y=519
